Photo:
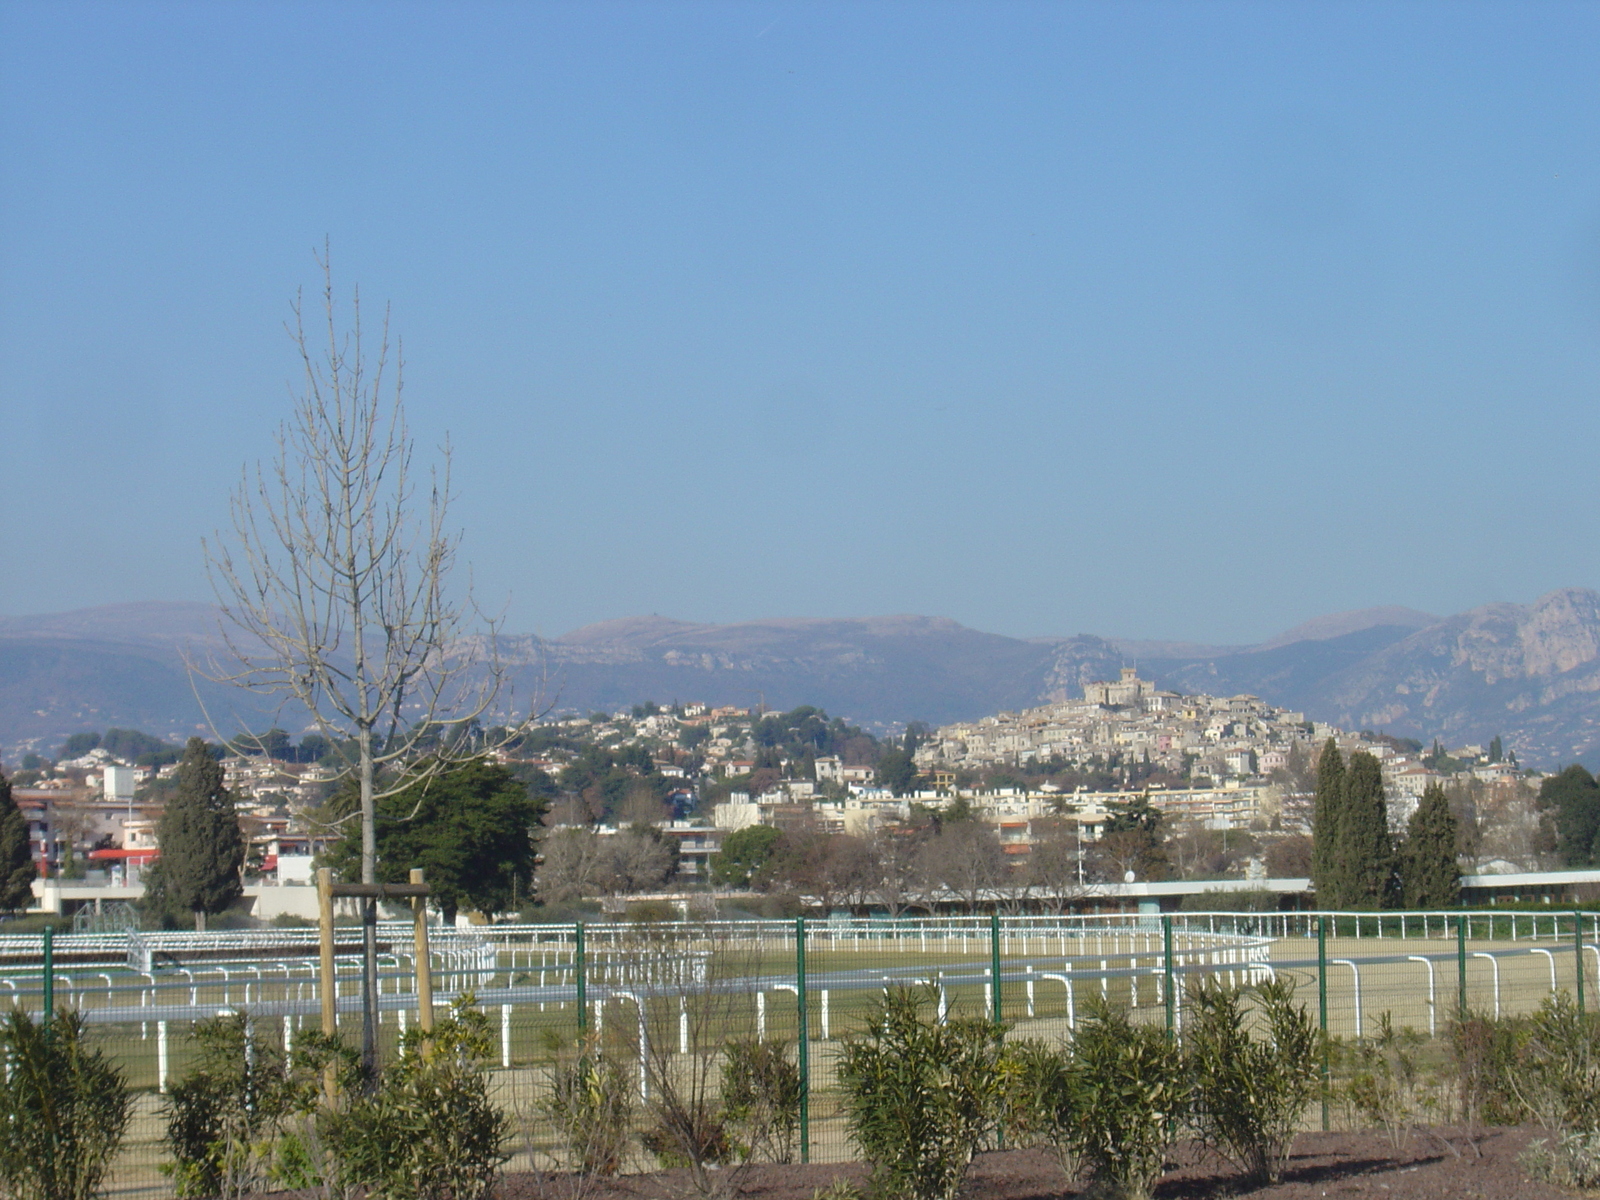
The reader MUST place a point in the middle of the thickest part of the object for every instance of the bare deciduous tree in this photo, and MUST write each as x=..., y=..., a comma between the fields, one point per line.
x=637, y=859
x=1055, y=870
x=895, y=852
x=333, y=585
x=964, y=859
x=570, y=865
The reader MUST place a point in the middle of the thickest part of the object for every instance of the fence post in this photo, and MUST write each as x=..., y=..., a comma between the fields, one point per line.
x=1461, y=967
x=1322, y=1008
x=995, y=1008
x=804, y=1053
x=1577, y=933
x=1166, y=968
x=580, y=971
x=422, y=959
x=50, y=973
x=994, y=963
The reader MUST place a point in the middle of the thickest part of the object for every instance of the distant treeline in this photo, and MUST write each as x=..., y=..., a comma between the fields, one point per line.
x=146, y=750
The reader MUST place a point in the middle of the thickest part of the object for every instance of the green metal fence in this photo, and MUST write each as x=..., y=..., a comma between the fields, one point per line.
x=652, y=991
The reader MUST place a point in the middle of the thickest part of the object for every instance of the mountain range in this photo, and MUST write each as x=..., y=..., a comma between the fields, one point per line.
x=1530, y=673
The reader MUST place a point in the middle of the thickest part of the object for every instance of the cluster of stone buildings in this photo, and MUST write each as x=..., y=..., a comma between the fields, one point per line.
x=1239, y=746
x=1237, y=737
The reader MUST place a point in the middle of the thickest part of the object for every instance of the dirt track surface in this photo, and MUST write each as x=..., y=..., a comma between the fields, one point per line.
x=1442, y=1166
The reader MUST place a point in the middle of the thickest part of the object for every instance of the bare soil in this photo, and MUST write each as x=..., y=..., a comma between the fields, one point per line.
x=1441, y=1165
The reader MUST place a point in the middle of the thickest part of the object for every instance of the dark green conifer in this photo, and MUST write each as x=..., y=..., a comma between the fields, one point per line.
x=17, y=871
x=471, y=829
x=1573, y=800
x=1325, y=826
x=1429, y=874
x=1366, y=875
x=202, y=850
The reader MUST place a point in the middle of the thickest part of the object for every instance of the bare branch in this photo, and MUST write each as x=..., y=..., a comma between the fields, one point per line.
x=333, y=581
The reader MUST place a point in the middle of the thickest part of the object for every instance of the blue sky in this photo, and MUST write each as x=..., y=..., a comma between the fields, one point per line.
x=1150, y=320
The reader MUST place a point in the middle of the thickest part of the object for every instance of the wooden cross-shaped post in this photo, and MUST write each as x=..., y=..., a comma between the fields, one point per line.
x=417, y=893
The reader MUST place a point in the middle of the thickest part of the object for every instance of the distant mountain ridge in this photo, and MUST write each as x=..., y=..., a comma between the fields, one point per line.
x=1530, y=673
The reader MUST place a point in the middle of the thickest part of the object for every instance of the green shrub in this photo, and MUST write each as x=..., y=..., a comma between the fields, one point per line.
x=1250, y=1091
x=920, y=1096
x=427, y=1130
x=591, y=1103
x=1040, y=1104
x=1132, y=1095
x=1568, y=1160
x=652, y=912
x=692, y=1134
x=761, y=1097
x=243, y=1120
x=63, y=1108
x=1485, y=1057
x=219, y=1135
x=1558, y=1079
x=1384, y=1084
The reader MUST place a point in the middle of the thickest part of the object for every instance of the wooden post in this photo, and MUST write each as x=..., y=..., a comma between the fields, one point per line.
x=327, y=990
x=327, y=892
x=419, y=913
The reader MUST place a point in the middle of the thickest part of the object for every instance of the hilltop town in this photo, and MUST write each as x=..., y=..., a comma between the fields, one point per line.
x=1230, y=777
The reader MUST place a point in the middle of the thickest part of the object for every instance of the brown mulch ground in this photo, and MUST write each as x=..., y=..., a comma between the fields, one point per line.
x=1439, y=1166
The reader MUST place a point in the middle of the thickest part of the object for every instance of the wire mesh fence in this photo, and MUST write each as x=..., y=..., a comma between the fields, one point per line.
x=666, y=999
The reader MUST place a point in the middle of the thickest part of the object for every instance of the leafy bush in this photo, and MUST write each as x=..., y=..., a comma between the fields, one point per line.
x=1569, y=1160
x=692, y=1134
x=591, y=1103
x=761, y=1097
x=1558, y=1079
x=1558, y=1082
x=244, y=1120
x=1250, y=1091
x=919, y=1096
x=1384, y=1083
x=64, y=1108
x=217, y=1130
x=427, y=1130
x=1484, y=1059
x=1132, y=1094
x=1041, y=1100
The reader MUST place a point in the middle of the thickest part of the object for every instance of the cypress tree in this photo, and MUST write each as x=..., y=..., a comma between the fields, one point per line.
x=202, y=849
x=17, y=871
x=1325, y=826
x=1365, y=851
x=1429, y=874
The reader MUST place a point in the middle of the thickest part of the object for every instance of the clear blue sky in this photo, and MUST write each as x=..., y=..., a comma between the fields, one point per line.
x=1154, y=320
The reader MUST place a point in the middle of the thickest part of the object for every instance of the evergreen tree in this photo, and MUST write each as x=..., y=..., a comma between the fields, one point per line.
x=1573, y=799
x=470, y=829
x=1366, y=876
x=17, y=871
x=202, y=850
x=1325, y=826
x=1429, y=874
x=1496, y=749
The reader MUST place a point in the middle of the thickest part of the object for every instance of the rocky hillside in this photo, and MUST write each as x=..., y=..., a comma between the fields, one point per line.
x=1528, y=672
x=879, y=670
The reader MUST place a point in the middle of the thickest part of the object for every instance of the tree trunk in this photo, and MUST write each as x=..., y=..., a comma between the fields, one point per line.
x=369, y=911
x=199, y=920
